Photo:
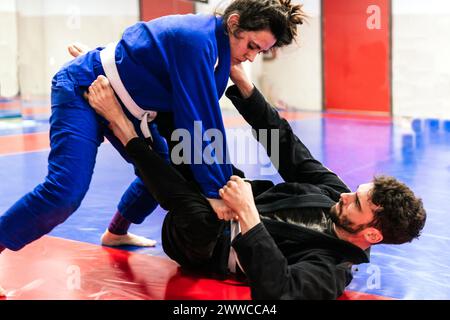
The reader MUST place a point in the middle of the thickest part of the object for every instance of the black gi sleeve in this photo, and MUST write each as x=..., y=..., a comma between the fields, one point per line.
x=293, y=161
x=315, y=276
x=163, y=181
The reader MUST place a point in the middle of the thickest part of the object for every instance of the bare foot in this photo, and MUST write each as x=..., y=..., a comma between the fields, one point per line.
x=77, y=49
x=129, y=239
x=101, y=97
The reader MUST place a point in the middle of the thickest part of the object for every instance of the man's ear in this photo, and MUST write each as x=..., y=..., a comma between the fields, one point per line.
x=233, y=23
x=373, y=235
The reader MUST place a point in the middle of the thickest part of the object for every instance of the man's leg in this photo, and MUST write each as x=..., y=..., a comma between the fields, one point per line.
x=191, y=227
x=195, y=225
x=75, y=136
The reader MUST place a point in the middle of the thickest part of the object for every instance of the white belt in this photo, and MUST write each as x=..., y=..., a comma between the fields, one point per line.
x=108, y=59
x=233, y=259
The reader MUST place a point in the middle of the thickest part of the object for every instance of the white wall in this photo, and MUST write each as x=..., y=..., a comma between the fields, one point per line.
x=8, y=49
x=34, y=35
x=211, y=6
x=421, y=63
x=8, y=6
x=294, y=78
x=46, y=27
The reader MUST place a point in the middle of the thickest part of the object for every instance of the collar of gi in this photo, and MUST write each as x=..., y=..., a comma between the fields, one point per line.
x=222, y=72
x=223, y=41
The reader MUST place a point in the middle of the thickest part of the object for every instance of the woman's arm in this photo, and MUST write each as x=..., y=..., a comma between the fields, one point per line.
x=242, y=82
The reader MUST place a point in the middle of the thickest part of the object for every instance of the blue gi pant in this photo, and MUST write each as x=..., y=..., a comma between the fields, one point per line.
x=76, y=132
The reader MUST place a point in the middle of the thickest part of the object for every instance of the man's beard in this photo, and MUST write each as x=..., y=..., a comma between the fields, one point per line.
x=341, y=221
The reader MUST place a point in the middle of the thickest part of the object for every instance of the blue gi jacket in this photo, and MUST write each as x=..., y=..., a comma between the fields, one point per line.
x=168, y=64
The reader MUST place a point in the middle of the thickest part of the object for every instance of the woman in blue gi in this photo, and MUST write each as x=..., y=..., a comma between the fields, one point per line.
x=178, y=64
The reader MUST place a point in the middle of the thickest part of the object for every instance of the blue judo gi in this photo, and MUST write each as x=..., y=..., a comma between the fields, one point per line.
x=168, y=64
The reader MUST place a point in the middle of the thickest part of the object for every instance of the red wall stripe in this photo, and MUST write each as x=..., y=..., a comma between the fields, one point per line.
x=356, y=58
x=151, y=9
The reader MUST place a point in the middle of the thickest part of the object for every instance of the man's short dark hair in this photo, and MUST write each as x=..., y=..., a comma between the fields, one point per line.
x=279, y=16
x=401, y=215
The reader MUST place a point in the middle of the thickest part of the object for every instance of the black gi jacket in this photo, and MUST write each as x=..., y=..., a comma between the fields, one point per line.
x=282, y=260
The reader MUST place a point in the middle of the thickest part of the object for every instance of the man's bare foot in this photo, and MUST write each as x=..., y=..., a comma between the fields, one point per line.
x=129, y=239
x=77, y=49
x=102, y=98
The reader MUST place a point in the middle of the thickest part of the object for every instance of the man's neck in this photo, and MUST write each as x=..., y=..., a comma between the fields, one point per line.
x=353, y=239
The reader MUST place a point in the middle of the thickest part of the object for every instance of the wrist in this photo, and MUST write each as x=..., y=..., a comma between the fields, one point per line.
x=248, y=220
x=123, y=129
x=245, y=88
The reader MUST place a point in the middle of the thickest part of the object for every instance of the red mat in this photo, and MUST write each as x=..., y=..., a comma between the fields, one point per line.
x=53, y=269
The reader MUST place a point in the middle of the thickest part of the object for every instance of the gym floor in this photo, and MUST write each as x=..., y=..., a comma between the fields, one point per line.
x=69, y=263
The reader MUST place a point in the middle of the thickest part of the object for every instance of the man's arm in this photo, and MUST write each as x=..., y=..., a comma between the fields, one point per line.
x=295, y=162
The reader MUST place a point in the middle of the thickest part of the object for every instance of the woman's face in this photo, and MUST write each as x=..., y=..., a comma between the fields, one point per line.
x=246, y=45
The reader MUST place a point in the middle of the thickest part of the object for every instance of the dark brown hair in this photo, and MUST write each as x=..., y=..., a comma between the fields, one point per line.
x=401, y=216
x=279, y=16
